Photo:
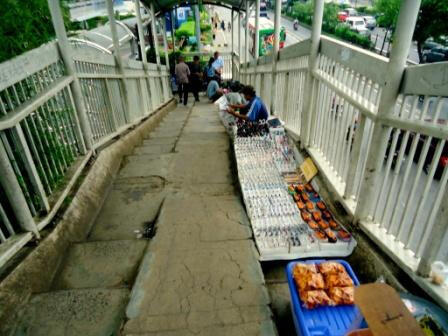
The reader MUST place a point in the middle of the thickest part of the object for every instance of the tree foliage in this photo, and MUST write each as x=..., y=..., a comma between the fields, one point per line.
x=432, y=19
x=24, y=25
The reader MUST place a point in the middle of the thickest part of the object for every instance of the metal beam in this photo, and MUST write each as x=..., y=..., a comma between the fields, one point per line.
x=277, y=18
x=65, y=50
x=141, y=36
x=154, y=33
x=246, y=38
x=257, y=29
x=117, y=54
x=197, y=27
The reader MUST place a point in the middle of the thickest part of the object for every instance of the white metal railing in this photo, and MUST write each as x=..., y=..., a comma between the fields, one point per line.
x=346, y=89
x=42, y=146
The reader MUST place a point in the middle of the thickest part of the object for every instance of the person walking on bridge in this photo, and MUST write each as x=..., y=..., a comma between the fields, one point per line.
x=182, y=72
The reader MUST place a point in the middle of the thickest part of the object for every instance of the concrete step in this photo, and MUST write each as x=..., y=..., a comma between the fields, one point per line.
x=159, y=141
x=153, y=149
x=146, y=165
x=86, y=312
x=101, y=264
x=131, y=204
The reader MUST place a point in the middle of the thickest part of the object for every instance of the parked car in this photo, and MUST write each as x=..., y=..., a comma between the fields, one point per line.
x=351, y=11
x=342, y=16
x=358, y=25
x=437, y=54
x=441, y=164
x=428, y=45
x=370, y=22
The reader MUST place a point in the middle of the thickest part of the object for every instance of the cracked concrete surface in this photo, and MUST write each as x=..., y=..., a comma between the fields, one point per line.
x=199, y=275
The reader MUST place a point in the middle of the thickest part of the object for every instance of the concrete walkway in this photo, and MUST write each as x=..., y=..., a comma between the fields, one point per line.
x=198, y=275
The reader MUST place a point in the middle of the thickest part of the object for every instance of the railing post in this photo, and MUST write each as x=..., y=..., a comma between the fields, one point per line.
x=257, y=29
x=435, y=238
x=246, y=37
x=407, y=19
x=167, y=62
x=141, y=36
x=173, y=24
x=277, y=18
x=75, y=86
x=154, y=34
x=198, y=27
x=14, y=193
x=239, y=39
x=308, y=109
x=232, y=39
x=118, y=59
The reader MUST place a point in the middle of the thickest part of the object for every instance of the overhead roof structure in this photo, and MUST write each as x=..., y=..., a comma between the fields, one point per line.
x=161, y=6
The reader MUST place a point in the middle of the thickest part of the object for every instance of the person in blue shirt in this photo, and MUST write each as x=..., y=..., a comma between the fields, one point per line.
x=213, y=90
x=256, y=109
x=210, y=72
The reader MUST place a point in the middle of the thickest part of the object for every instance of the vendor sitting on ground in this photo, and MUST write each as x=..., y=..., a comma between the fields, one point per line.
x=214, y=92
x=235, y=97
x=256, y=109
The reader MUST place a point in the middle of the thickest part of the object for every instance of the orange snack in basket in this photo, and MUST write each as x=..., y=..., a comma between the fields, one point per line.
x=300, y=188
x=309, y=205
x=331, y=267
x=326, y=214
x=338, y=280
x=306, y=216
x=313, y=225
x=296, y=198
x=301, y=269
x=320, y=235
x=305, y=197
x=323, y=224
x=344, y=235
x=300, y=205
x=321, y=205
x=316, y=216
x=333, y=224
x=331, y=236
x=342, y=295
x=315, y=298
x=310, y=281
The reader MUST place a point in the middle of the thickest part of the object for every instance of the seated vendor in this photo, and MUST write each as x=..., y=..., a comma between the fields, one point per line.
x=234, y=97
x=213, y=90
x=256, y=109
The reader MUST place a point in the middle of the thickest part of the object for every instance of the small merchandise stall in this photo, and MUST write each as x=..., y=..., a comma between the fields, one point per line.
x=288, y=217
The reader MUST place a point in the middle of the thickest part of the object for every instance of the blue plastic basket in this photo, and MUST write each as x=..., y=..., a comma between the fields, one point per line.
x=321, y=321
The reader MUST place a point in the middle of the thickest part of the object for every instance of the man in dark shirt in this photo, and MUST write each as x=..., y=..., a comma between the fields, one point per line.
x=195, y=77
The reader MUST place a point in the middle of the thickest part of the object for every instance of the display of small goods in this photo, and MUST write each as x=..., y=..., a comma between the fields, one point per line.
x=284, y=227
x=315, y=213
x=324, y=284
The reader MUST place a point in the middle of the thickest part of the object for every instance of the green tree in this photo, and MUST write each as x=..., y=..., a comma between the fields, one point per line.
x=432, y=22
x=432, y=19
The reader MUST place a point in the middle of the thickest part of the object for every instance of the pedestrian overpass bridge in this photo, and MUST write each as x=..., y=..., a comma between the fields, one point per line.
x=96, y=158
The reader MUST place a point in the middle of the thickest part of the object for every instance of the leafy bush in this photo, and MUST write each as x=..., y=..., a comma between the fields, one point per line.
x=24, y=25
x=304, y=13
x=186, y=29
x=346, y=34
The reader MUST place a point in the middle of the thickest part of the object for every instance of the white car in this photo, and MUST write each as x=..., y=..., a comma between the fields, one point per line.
x=358, y=25
x=370, y=22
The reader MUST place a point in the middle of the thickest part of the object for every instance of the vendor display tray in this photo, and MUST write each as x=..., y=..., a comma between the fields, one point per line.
x=280, y=232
